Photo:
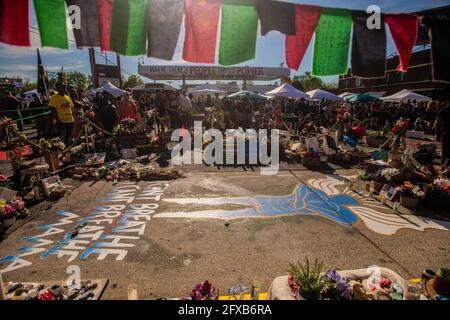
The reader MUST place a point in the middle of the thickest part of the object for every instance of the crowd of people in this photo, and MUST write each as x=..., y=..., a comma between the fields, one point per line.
x=179, y=109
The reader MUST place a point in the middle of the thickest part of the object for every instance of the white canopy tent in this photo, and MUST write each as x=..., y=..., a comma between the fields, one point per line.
x=112, y=89
x=406, y=95
x=287, y=91
x=320, y=94
x=206, y=88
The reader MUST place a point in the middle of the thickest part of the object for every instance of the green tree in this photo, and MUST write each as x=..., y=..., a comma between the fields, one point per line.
x=132, y=81
x=307, y=82
x=29, y=86
x=77, y=80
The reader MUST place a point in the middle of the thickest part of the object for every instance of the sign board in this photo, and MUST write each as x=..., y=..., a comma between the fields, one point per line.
x=109, y=73
x=157, y=72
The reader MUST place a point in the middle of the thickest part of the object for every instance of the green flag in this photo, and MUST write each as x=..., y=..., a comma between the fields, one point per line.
x=239, y=32
x=52, y=21
x=128, y=30
x=331, y=47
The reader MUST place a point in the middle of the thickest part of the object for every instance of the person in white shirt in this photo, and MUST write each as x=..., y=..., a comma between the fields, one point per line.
x=186, y=109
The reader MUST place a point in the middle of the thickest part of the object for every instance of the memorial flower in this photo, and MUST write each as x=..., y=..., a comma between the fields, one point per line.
x=336, y=286
x=204, y=291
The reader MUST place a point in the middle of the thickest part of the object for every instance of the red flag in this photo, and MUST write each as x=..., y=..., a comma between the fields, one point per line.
x=404, y=30
x=105, y=8
x=306, y=19
x=14, y=22
x=201, y=24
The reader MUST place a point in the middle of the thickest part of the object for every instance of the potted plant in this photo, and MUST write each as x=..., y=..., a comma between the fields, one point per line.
x=306, y=280
x=410, y=195
x=441, y=283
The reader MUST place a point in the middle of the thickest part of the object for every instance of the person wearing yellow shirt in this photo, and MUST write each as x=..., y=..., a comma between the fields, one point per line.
x=62, y=107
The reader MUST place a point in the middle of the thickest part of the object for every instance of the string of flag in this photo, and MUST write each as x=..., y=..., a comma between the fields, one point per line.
x=153, y=27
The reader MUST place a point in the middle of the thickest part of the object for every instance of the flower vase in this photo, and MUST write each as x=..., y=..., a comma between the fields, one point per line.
x=409, y=203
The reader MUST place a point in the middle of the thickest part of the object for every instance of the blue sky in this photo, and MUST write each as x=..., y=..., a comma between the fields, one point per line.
x=17, y=61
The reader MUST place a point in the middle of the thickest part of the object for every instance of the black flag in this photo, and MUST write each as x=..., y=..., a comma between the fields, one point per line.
x=368, y=48
x=164, y=23
x=43, y=83
x=88, y=35
x=276, y=15
x=439, y=33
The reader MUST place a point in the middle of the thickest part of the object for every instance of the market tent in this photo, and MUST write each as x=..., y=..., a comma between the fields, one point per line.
x=320, y=94
x=247, y=94
x=360, y=98
x=206, y=89
x=112, y=89
x=406, y=95
x=345, y=94
x=287, y=91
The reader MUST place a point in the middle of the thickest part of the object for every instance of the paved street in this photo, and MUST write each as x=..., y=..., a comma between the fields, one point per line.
x=228, y=226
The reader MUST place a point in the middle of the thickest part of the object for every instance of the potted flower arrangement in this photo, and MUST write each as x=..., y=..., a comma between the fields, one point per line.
x=386, y=176
x=52, y=148
x=306, y=280
x=439, y=194
x=204, y=291
x=410, y=195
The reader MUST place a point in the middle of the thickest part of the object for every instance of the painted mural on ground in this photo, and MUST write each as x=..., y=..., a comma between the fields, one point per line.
x=326, y=197
x=110, y=230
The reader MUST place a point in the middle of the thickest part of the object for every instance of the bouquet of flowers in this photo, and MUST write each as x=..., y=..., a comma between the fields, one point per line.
x=387, y=175
x=400, y=127
x=126, y=126
x=336, y=287
x=411, y=190
x=7, y=211
x=204, y=291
